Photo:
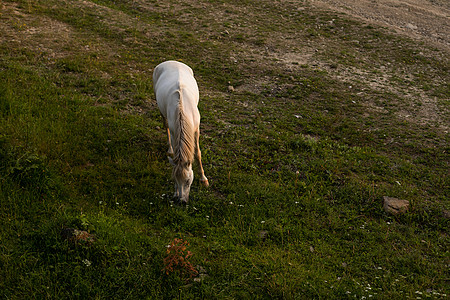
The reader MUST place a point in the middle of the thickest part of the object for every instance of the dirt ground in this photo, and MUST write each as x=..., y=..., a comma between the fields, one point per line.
x=423, y=20
x=427, y=20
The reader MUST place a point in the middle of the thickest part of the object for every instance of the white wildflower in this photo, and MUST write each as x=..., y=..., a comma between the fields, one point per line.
x=86, y=262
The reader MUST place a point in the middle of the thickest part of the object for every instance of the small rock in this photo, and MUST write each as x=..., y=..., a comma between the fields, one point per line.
x=78, y=236
x=311, y=248
x=201, y=277
x=395, y=206
x=411, y=26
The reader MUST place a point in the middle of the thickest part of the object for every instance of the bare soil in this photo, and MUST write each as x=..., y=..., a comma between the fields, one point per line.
x=427, y=20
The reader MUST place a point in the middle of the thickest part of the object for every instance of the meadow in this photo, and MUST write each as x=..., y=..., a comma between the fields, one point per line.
x=309, y=118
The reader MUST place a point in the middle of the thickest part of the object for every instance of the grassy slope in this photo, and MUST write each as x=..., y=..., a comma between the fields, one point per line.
x=298, y=160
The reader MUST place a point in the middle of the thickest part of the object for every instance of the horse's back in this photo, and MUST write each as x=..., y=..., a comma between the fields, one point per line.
x=171, y=81
x=171, y=69
x=171, y=77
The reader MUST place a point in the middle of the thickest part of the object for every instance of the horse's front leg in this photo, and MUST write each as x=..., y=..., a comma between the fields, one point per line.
x=170, y=150
x=203, y=178
x=166, y=124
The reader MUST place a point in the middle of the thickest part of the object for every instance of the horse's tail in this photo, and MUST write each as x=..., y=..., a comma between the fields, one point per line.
x=184, y=139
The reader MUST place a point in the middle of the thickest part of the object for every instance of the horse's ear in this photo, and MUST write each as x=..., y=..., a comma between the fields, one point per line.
x=171, y=161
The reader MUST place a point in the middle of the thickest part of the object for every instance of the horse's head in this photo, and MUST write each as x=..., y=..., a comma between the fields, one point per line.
x=183, y=176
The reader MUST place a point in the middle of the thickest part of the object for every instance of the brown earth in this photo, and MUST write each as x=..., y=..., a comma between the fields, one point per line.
x=423, y=20
x=427, y=20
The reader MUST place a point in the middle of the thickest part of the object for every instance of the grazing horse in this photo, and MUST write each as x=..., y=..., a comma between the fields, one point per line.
x=177, y=95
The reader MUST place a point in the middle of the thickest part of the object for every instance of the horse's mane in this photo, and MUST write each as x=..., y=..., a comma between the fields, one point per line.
x=184, y=142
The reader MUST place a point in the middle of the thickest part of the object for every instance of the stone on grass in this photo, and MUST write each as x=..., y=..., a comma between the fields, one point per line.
x=411, y=26
x=202, y=275
x=395, y=206
x=78, y=236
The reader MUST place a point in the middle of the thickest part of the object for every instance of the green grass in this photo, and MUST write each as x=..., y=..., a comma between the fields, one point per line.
x=298, y=163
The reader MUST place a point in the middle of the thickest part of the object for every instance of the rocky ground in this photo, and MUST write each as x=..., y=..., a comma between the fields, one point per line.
x=427, y=20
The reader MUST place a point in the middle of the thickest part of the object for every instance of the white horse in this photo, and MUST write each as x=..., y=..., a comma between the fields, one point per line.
x=177, y=95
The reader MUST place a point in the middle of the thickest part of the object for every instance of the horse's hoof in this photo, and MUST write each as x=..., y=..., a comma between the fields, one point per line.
x=204, y=182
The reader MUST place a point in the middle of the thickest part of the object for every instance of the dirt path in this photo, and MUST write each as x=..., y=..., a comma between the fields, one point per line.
x=427, y=20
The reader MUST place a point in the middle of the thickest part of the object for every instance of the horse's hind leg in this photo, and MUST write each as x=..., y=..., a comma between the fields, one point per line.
x=203, y=178
x=170, y=151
